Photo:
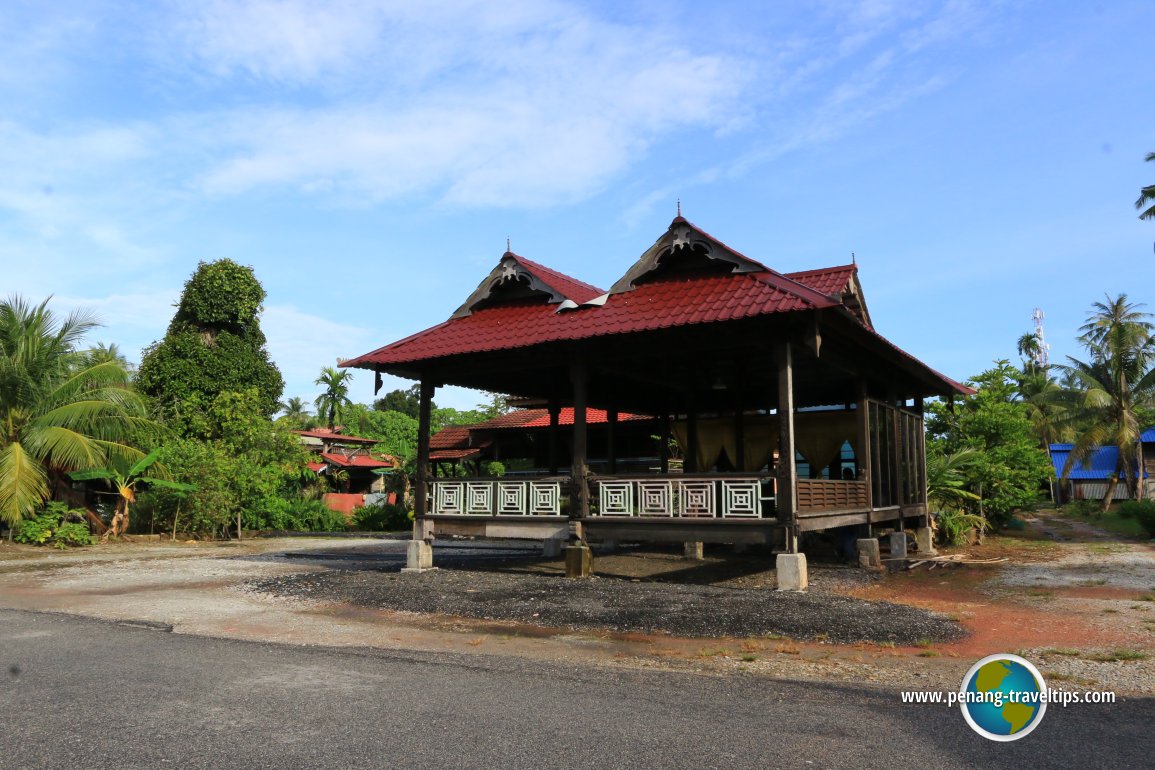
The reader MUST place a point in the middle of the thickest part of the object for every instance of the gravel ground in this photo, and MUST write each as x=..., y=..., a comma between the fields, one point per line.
x=621, y=605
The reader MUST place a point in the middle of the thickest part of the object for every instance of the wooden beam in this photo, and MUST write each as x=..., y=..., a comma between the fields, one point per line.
x=863, y=461
x=554, y=430
x=421, y=493
x=787, y=491
x=611, y=440
x=579, y=472
x=664, y=439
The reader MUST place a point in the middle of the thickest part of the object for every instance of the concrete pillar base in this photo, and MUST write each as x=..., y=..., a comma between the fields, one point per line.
x=694, y=550
x=868, y=553
x=924, y=541
x=897, y=549
x=418, y=557
x=551, y=549
x=791, y=569
x=579, y=561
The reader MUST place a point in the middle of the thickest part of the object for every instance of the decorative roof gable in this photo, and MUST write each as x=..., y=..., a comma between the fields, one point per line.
x=683, y=239
x=517, y=278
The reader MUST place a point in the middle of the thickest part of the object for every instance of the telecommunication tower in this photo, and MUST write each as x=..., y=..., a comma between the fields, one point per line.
x=1040, y=356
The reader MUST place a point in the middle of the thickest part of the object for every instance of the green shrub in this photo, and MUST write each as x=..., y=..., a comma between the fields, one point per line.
x=55, y=525
x=382, y=518
x=495, y=468
x=1141, y=510
x=1134, y=509
x=953, y=526
x=1084, y=508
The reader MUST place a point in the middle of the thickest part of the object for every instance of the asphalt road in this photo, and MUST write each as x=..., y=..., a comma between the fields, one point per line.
x=79, y=693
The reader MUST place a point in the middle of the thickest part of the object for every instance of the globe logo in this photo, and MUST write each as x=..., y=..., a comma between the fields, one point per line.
x=1003, y=697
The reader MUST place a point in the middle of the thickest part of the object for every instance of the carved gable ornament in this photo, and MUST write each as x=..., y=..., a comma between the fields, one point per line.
x=682, y=237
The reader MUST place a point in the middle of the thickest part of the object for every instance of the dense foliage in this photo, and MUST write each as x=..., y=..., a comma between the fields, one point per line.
x=1009, y=467
x=60, y=409
x=56, y=525
x=213, y=345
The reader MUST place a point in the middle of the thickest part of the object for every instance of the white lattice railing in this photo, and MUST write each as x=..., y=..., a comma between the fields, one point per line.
x=496, y=498
x=729, y=498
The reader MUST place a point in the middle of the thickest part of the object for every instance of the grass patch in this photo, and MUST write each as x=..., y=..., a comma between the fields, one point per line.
x=928, y=654
x=1110, y=521
x=924, y=643
x=1059, y=676
x=1068, y=651
x=1116, y=656
x=1147, y=598
x=1111, y=611
x=749, y=658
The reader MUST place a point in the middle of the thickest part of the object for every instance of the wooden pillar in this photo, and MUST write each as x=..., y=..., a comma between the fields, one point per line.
x=421, y=493
x=664, y=438
x=579, y=471
x=611, y=440
x=739, y=436
x=554, y=430
x=862, y=460
x=690, y=462
x=787, y=472
x=920, y=455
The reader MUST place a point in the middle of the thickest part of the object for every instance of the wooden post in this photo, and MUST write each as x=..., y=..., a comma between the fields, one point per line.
x=863, y=460
x=739, y=436
x=579, y=471
x=554, y=416
x=787, y=472
x=690, y=461
x=421, y=493
x=611, y=440
x=664, y=440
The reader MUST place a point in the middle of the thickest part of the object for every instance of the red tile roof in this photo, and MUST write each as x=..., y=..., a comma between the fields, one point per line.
x=539, y=418
x=334, y=437
x=449, y=436
x=358, y=461
x=570, y=288
x=448, y=455
x=826, y=280
x=680, y=300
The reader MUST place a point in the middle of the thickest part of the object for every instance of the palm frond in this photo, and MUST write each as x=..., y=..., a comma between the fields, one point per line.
x=23, y=483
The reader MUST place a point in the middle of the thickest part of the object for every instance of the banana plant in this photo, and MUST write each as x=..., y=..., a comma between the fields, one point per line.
x=126, y=484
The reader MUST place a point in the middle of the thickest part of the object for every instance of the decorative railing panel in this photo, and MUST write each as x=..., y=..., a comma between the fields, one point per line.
x=496, y=498
x=830, y=495
x=728, y=498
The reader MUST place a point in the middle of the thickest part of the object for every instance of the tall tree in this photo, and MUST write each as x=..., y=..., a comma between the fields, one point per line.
x=1147, y=196
x=295, y=412
x=1115, y=388
x=213, y=345
x=404, y=401
x=58, y=411
x=332, y=403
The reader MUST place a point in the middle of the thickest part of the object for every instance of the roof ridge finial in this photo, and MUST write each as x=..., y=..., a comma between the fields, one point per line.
x=508, y=250
x=679, y=207
x=853, y=259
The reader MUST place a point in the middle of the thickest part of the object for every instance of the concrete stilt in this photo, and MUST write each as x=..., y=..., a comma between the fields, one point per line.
x=897, y=549
x=694, y=550
x=791, y=569
x=924, y=541
x=418, y=557
x=868, y=553
x=579, y=561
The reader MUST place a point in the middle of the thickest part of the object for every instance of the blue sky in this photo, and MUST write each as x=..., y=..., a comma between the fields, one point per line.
x=369, y=158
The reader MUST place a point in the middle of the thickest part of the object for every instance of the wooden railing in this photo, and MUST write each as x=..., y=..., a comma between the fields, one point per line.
x=830, y=495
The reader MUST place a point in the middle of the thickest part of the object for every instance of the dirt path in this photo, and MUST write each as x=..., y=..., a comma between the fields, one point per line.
x=1061, y=603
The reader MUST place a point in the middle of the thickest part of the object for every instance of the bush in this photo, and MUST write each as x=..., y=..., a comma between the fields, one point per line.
x=1084, y=508
x=953, y=526
x=382, y=518
x=57, y=525
x=1141, y=510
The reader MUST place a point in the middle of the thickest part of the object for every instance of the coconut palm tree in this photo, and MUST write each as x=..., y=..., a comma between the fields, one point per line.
x=332, y=403
x=295, y=412
x=58, y=411
x=1115, y=388
x=126, y=483
x=1147, y=197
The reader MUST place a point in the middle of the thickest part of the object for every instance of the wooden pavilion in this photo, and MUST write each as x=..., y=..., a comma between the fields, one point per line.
x=756, y=371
